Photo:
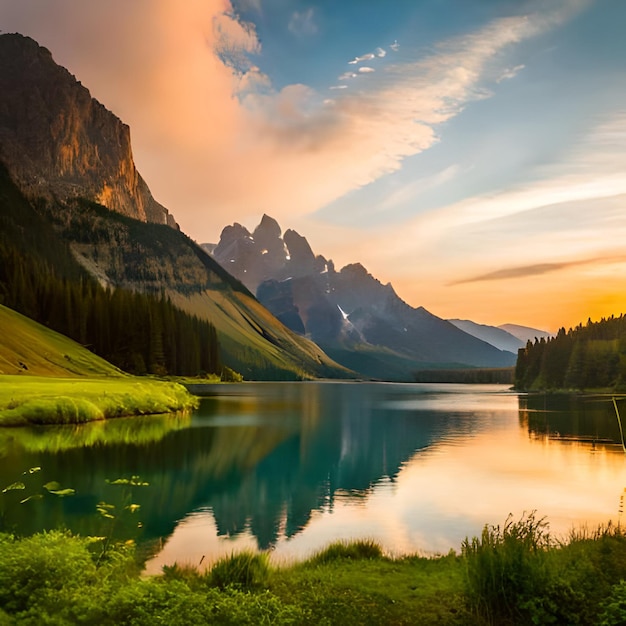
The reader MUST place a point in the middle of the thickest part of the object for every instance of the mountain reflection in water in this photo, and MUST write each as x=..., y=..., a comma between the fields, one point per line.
x=292, y=466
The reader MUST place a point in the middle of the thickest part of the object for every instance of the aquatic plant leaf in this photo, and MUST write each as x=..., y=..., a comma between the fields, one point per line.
x=14, y=486
x=36, y=496
x=137, y=482
x=62, y=492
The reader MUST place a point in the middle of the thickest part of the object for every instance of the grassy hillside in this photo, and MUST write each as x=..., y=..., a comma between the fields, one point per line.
x=46, y=378
x=255, y=343
x=28, y=348
x=46, y=400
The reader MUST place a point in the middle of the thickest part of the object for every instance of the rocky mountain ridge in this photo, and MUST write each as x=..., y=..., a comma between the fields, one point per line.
x=355, y=318
x=494, y=335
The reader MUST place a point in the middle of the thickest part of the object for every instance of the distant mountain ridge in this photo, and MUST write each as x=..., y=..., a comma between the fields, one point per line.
x=497, y=337
x=356, y=319
x=525, y=333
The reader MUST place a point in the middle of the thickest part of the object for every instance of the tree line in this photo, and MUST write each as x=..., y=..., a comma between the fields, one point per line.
x=586, y=357
x=139, y=333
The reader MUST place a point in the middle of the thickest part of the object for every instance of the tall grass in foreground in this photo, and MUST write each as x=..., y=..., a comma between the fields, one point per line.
x=514, y=574
x=352, y=550
x=245, y=570
x=506, y=567
x=518, y=574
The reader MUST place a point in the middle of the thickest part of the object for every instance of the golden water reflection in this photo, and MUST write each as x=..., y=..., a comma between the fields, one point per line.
x=487, y=454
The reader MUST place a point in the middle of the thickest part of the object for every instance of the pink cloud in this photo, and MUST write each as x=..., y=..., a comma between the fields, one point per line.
x=214, y=140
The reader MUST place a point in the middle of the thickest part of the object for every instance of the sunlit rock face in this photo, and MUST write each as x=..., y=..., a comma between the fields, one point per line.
x=58, y=141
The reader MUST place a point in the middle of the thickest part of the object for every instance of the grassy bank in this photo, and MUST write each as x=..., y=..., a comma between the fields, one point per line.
x=43, y=400
x=514, y=574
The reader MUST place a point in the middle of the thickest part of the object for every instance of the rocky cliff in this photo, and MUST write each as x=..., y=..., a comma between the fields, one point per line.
x=58, y=141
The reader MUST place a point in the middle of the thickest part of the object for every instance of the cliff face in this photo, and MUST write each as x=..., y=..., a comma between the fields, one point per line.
x=58, y=141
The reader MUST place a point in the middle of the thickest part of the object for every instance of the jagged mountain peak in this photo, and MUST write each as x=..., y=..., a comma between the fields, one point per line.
x=59, y=142
x=65, y=150
x=350, y=313
x=267, y=230
x=232, y=232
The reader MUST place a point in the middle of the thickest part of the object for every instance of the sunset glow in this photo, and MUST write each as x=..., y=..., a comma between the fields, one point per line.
x=470, y=153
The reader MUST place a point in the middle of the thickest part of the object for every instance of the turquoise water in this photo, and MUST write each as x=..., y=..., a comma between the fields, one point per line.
x=289, y=467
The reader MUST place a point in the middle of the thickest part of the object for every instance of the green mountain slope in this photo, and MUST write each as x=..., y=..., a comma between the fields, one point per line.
x=28, y=348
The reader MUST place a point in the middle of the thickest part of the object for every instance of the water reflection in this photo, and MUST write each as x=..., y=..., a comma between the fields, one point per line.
x=587, y=419
x=293, y=466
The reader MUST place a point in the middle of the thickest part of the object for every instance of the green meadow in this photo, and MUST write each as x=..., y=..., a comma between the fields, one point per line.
x=46, y=378
x=42, y=400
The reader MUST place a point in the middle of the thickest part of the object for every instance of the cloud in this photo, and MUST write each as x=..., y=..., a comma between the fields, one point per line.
x=366, y=57
x=516, y=272
x=347, y=76
x=510, y=73
x=250, y=5
x=395, y=46
x=525, y=271
x=303, y=23
x=592, y=172
x=366, y=70
x=234, y=41
x=412, y=191
x=216, y=141
x=380, y=53
x=338, y=87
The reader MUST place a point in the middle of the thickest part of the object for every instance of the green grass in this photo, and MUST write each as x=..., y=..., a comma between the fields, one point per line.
x=514, y=574
x=41, y=400
x=30, y=349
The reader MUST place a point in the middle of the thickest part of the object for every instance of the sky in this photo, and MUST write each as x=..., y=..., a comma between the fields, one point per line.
x=470, y=152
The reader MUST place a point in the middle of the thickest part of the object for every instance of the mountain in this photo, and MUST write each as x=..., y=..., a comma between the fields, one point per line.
x=59, y=142
x=497, y=337
x=357, y=320
x=72, y=201
x=525, y=333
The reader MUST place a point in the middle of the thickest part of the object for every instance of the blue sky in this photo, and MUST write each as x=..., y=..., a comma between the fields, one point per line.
x=471, y=152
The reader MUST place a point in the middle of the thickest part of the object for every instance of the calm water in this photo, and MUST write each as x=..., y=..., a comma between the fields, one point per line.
x=294, y=466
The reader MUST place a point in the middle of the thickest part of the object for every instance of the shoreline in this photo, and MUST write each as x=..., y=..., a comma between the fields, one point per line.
x=40, y=400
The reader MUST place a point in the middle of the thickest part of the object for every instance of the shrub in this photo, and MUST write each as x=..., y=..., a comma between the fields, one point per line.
x=42, y=569
x=361, y=549
x=614, y=607
x=507, y=570
x=245, y=570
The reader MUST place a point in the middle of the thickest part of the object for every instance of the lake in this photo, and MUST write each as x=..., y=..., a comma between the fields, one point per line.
x=290, y=467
